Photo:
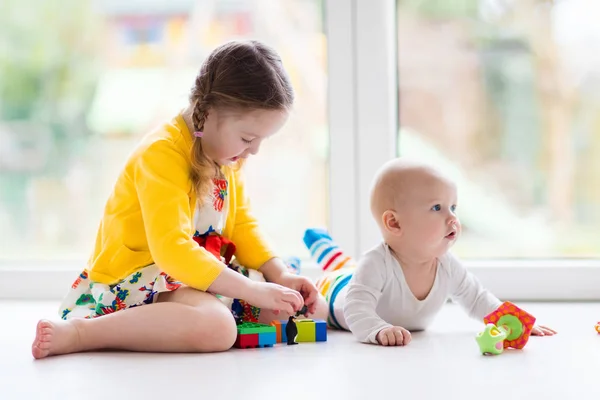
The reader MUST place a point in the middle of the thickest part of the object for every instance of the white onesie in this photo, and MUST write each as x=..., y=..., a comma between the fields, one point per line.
x=378, y=296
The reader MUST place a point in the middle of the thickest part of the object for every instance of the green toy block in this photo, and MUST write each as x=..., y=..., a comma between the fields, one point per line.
x=306, y=330
x=252, y=327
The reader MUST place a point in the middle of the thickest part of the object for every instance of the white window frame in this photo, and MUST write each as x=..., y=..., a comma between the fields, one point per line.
x=364, y=131
x=363, y=104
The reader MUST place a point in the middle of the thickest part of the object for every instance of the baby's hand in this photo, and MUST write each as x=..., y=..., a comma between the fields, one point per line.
x=393, y=336
x=542, y=331
x=275, y=297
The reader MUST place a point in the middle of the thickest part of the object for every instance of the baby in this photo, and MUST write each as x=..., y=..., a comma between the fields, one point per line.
x=401, y=284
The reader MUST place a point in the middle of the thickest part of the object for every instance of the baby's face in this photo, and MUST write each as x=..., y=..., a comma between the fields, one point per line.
x=428, y=217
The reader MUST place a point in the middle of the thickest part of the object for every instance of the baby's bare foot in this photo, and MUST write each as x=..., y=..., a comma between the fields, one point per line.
x=54, y=338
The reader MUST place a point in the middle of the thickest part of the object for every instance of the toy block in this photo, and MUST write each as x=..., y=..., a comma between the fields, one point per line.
x=516, y=322
x=306, y=330
x=320, y=331
x=253, y=327
x=280, y=329
x=267, y=339
x=309, y=330
x=245, y=341
x=252, y=334
x=277, y=325
x=283, y=332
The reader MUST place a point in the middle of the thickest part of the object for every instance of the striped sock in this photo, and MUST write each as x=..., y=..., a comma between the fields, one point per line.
x=338, y=267
x=329, y=286
x=324, y=250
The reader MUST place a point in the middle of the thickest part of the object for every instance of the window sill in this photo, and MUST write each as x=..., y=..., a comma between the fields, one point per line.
x=518, y=280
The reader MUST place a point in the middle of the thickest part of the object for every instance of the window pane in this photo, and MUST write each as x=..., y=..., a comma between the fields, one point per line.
x=503, y=95
x=80, y=89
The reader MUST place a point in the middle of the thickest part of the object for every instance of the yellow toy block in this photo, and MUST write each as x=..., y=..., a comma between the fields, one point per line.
x=306, y=330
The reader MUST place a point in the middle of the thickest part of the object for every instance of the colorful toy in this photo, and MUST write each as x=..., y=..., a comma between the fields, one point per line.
x=293, y=264
x=252, y=334
x=508, y=326
x=491, y=340
x=598, y=327
x=309, y=330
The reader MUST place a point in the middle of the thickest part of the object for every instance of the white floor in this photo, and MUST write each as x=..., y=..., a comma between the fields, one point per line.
x=442, y=363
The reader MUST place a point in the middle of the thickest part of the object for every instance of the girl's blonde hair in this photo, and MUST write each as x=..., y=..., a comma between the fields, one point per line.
x=240, y=76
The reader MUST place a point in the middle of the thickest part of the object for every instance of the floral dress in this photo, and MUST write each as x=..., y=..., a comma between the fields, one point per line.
x=87, y=299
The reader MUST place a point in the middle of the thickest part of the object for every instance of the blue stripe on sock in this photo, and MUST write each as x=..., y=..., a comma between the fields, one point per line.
x=327, y=251
x=338, y=286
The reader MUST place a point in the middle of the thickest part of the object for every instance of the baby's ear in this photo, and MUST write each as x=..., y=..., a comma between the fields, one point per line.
x=391, y=222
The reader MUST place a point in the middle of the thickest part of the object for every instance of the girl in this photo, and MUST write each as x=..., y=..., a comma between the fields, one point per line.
x=162, y=276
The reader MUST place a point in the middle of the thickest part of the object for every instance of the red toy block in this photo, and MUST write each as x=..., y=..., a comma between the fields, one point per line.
x=247, y=340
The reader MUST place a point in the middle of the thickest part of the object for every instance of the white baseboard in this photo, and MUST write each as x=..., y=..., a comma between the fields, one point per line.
x=541, y=283
x=35, y=284
x=517, y=281
x=544, y=280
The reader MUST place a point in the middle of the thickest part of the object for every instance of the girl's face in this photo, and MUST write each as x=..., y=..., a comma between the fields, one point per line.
x=232, y=135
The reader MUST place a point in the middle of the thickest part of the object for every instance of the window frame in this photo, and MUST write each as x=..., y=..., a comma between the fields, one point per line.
x=363, y=134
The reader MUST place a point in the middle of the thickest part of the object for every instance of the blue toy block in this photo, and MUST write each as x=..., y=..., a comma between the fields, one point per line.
x=267, y=339
x=283, y=334
x=320, y=331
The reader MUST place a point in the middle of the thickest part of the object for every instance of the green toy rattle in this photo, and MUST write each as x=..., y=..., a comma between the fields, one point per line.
x=491, y=340
x=507, y=326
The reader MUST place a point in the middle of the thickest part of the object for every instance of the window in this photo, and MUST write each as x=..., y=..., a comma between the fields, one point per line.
x=503, y=96
x=469, y=85
x=368, y=111
x=80, y=88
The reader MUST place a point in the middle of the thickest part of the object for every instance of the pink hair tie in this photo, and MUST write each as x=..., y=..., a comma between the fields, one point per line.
x=198, y=133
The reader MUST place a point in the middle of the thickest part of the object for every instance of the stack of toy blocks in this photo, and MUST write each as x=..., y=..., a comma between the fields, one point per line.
x=309, y=330
x=251, y=334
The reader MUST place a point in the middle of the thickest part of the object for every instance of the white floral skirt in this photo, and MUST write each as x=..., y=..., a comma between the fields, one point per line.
x=88, y=299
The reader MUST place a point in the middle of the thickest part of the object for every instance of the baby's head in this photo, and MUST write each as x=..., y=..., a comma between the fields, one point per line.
x=241, y=96
x=415, y=208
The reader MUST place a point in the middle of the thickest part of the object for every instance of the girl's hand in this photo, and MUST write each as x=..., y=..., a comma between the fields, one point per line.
x=303, y=285
x=275, y=297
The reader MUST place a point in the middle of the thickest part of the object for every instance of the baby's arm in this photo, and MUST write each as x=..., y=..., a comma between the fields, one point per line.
x=478, y=301
x=364, y=291
x=468, y=292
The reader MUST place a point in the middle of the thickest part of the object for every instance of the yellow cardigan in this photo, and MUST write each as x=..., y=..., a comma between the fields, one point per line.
x=148, y=217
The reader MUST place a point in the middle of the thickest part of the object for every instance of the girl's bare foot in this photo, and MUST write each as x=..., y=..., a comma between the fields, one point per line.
x=53, y=338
